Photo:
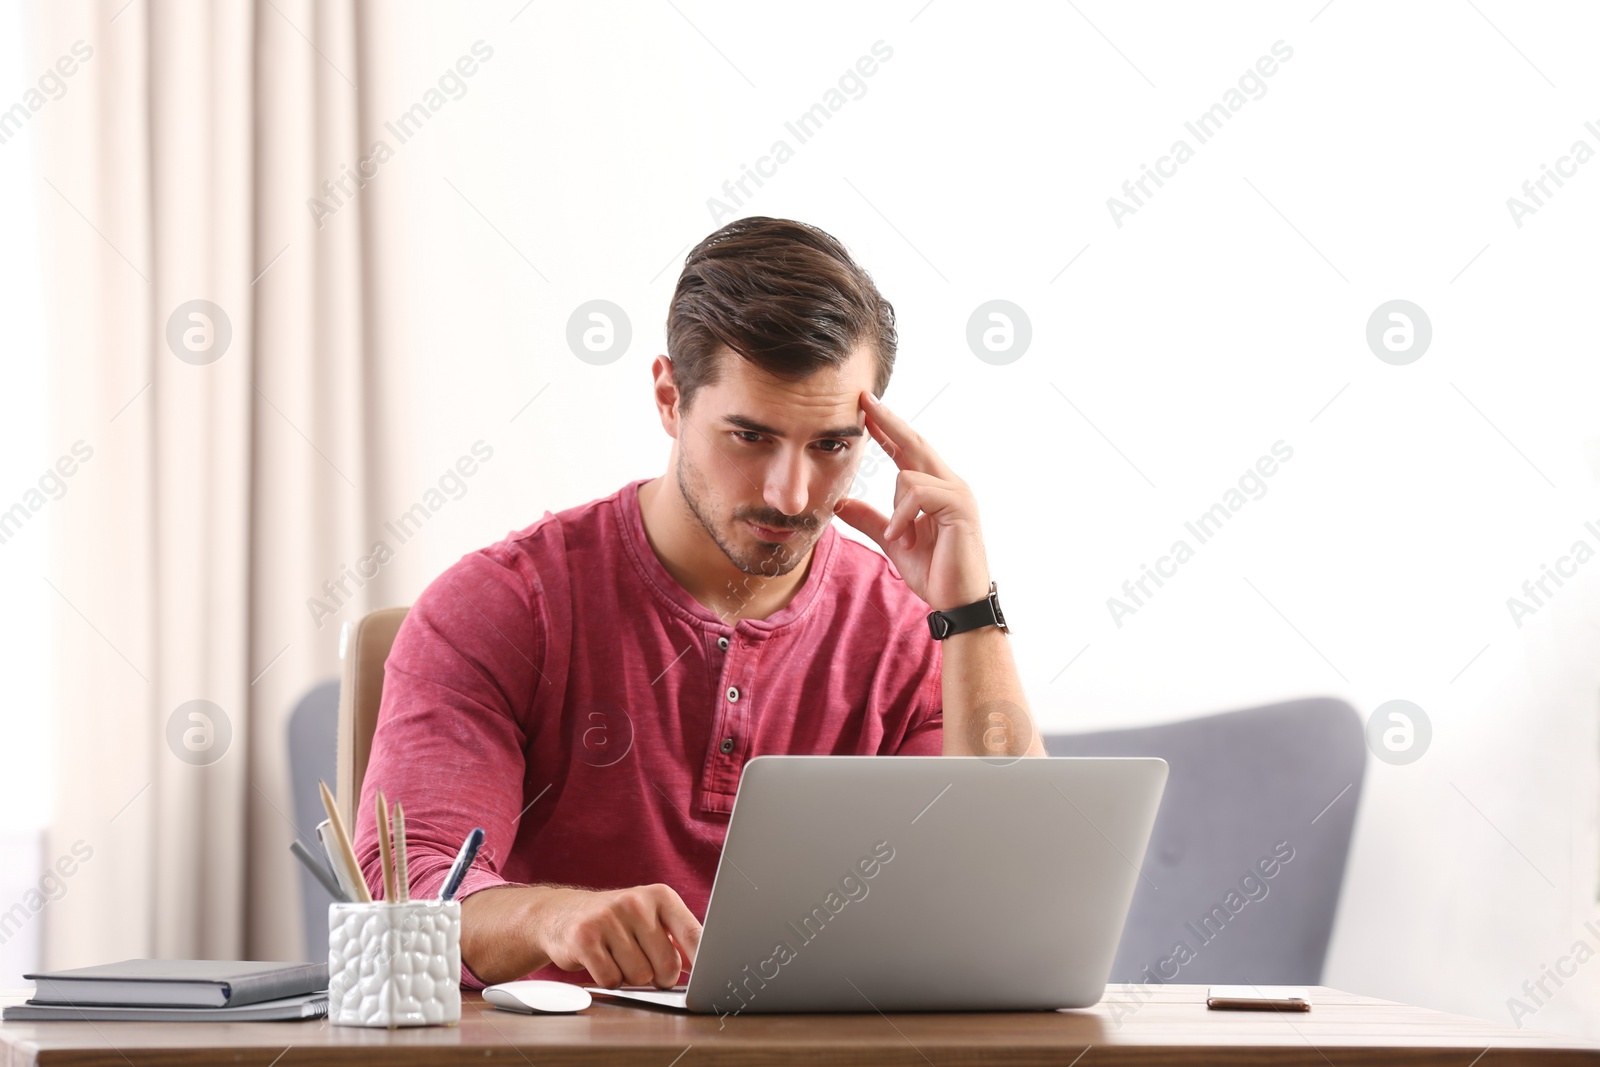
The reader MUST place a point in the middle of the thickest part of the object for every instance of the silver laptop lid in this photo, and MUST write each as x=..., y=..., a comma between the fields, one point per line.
x=923, y=883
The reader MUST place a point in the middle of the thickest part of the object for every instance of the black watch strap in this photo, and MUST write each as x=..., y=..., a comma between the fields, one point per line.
x=979, y=613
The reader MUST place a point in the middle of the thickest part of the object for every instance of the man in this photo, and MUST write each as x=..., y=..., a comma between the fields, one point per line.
x=589, y=689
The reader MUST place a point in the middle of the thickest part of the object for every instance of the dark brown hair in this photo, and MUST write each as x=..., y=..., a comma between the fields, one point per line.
x=784, y=295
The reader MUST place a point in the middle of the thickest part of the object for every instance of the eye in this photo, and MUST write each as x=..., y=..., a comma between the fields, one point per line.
x=830, y=446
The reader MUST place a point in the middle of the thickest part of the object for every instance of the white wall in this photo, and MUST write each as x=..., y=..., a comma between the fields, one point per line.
x=1225, y=315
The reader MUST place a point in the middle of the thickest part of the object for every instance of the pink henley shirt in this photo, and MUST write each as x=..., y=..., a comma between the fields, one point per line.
x=563, y=691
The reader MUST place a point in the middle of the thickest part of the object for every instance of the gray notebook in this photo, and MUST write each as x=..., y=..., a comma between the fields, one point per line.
x=305, y=1006
x=178, y=983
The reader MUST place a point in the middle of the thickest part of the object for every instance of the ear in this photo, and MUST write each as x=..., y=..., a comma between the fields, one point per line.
x=666, y=395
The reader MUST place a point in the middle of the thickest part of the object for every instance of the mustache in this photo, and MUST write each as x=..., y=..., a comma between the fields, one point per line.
x=782, y=522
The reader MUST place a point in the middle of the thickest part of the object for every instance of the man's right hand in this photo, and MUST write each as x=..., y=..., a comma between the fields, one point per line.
x=644, y=935
x=620, y=936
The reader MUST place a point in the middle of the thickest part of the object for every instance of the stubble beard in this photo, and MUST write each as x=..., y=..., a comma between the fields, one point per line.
x=773, y=561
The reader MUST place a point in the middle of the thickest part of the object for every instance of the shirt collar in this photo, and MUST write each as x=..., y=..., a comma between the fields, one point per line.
x=677, y=598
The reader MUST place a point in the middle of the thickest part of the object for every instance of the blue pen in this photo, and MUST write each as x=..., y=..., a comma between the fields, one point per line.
x=458, y=869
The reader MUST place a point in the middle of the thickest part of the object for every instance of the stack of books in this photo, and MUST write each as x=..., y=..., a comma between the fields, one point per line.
x=179, y=991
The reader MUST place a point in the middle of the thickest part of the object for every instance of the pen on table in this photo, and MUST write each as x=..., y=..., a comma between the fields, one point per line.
x=319, y=870
x=342, y=838
x=458, y=870
x=402, y=886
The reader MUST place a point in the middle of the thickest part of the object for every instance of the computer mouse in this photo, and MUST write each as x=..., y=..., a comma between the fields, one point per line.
x=535, y=996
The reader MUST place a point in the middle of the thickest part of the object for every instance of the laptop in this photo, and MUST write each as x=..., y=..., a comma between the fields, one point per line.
x=920, y=883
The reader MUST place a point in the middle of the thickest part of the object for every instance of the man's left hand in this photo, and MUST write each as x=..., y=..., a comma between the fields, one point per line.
x=933, y=537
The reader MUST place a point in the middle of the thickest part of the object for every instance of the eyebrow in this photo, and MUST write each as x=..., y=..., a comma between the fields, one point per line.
x=755, y=427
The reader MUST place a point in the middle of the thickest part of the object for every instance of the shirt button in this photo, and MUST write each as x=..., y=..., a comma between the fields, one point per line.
x=722, y=643
x=727, y=744
x=733, y=694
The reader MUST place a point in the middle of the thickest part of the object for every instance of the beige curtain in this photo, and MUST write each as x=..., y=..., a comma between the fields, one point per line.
x=226, y=485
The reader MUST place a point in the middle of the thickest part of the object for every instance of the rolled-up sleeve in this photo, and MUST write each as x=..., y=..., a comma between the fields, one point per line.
x=925, y=735
x=452, y=727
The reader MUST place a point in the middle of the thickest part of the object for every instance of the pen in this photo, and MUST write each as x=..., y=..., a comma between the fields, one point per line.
x=341, y=837
x=458, y=870
x=319, y=871
x=335, y=861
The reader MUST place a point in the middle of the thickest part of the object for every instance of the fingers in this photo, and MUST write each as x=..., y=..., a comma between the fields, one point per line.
x=864, y=517
x=682, y=925
x=627, y=955
x=639, y=942
x=926, y=498
x=905, y=446
x=622, y=937
x=587, y=949
x=652, y=934
x=904, y=482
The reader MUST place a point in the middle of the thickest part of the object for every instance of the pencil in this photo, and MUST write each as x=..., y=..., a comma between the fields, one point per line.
x=342, y=838
x=402, y=880
x=385, y=850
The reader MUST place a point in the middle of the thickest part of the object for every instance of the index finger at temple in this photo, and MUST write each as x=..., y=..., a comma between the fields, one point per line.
x=905, y=446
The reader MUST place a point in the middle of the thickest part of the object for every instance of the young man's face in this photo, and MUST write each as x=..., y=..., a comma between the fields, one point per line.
x=761, y=461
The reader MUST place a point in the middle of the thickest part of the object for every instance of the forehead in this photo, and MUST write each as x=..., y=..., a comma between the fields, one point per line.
x=827, y=395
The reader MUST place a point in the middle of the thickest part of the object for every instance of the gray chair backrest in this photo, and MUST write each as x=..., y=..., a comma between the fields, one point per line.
x=313, y=736
x=1242, y=876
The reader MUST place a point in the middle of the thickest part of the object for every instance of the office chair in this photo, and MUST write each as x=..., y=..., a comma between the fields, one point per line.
x=363, y=647
x=330, y=737
x=1243, y=786
x=313, y=726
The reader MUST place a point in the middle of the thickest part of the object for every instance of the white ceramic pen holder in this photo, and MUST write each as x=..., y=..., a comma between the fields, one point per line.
x=394, y=965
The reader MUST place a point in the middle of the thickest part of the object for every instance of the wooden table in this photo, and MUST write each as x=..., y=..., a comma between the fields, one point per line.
x=1170, y=1026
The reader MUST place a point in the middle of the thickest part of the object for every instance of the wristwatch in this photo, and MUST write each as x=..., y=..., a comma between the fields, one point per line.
x=980, y=613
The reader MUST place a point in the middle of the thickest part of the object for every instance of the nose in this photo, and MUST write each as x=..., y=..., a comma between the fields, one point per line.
x=786, y=489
